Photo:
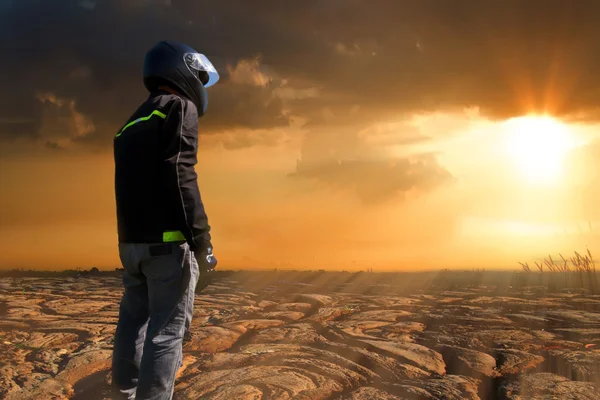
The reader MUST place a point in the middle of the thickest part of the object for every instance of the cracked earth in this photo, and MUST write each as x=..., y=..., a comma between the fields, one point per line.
x=304, y=340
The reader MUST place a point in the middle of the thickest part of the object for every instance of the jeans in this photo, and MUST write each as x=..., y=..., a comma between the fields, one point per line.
x=154, y=315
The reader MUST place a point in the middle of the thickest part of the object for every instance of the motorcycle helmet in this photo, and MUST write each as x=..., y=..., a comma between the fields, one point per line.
x=181, y=67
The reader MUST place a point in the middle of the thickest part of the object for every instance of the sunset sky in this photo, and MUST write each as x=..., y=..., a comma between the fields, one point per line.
x=344, y=134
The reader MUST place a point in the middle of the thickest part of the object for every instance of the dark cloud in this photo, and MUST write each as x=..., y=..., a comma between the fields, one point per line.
x=245, y=100
x=19, y=115
x=385, y=59
x=52, y=145
x=90, y=54
x=508, y=57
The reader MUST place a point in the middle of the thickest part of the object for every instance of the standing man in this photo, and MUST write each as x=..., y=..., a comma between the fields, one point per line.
x=164, y=239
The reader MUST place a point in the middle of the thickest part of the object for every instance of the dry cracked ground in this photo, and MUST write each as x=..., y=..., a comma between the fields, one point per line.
x=293, y=340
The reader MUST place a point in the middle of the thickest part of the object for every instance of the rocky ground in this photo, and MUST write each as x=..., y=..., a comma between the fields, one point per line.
x=287, y=339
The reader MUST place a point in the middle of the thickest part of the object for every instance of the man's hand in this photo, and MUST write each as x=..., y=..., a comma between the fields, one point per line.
x=206, y=264
x=207, y=261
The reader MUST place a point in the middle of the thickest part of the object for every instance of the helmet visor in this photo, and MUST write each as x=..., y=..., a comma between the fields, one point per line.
x=202, y=68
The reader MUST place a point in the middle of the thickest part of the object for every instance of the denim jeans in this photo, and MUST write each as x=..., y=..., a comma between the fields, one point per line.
x=155, y=313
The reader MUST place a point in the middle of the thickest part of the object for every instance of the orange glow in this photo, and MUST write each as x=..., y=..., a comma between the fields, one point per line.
x=262, y=217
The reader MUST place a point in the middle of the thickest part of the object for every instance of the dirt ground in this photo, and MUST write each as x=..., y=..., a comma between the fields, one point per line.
x=291, y=337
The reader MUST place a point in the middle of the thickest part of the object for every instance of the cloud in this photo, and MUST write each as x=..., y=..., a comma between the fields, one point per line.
x=365, y=164
x=61, y=123
x=101, y=73
x=283, y=61
x=62, y=118
x=88, y=4
x=387, y=134
x=359, y=47
x=50, y=144
x=247, y=99
x=375, y=181
x=243, y=139
x=247, y=72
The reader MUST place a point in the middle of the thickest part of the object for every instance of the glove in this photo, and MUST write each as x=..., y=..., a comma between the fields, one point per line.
x=207, y=263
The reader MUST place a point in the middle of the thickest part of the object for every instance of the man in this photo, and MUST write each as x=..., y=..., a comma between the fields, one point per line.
x=163, y=230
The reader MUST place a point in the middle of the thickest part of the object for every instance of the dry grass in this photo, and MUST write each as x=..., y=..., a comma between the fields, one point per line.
x=577, y=270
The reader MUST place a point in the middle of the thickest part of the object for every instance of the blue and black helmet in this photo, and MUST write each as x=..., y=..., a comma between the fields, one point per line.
x=181, y=67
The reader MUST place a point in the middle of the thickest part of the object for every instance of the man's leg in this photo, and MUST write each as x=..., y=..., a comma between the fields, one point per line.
x=133, y=320
x=170, y=290
x=191, y=293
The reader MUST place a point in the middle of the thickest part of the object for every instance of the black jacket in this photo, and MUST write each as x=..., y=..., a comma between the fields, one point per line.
x=156, y=186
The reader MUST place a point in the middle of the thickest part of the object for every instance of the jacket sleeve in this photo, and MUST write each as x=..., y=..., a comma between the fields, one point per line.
x=180, y=131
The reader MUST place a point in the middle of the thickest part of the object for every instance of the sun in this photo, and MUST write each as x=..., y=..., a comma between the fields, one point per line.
x=538, y=146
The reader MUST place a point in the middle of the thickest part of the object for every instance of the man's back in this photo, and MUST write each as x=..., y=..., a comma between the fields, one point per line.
x=150, y=168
